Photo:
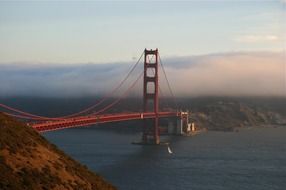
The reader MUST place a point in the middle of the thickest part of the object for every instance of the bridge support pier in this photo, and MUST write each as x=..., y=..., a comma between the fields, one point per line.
x=182, y=123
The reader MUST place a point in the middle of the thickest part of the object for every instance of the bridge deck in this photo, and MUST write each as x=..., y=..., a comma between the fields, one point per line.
x=90, y=120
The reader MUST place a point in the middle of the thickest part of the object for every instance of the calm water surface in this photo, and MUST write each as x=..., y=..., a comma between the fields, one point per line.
x=253, y=159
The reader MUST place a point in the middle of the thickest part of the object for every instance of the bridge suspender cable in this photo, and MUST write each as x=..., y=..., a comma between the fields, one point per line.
x=37, y=117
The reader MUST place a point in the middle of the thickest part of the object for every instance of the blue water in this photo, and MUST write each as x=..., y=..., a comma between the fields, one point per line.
x=253, y=159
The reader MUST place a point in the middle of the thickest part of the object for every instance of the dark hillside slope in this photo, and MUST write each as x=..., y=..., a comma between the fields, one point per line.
x=28, y=161
x=227, y=115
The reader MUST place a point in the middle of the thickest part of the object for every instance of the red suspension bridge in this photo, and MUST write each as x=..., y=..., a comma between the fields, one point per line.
x=89, y=116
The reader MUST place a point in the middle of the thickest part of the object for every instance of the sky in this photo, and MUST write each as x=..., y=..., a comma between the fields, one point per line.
x=111, y=31
x=64, y=48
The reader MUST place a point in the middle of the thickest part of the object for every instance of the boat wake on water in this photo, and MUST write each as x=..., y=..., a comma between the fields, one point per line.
x=169, y=150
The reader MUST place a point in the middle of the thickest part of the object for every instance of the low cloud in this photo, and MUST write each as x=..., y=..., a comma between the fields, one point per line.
x=231, y=74
x=225, y=74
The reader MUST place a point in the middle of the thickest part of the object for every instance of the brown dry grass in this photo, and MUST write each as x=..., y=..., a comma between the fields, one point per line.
x=28, y=161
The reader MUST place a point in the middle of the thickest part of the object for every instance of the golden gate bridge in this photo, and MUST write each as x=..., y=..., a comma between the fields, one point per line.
x=90, y=116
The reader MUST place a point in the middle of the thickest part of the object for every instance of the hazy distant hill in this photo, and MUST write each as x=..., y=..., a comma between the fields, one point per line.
x=28, y=161
x=227, y=114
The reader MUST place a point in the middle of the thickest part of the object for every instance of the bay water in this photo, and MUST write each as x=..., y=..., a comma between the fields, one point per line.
x=253, y=158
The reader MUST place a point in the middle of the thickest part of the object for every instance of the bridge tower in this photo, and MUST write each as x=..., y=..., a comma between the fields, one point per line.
x=150, y=96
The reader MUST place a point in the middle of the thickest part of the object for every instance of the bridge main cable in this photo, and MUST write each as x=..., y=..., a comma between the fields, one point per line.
x=120, y=98
x=100, y=111
x=169, y=86
x=31, y=116
x=109, y=94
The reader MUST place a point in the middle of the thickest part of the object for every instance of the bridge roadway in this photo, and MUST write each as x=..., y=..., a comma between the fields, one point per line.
x=90, y=120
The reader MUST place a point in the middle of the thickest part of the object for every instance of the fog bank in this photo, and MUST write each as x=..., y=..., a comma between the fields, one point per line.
x=224, y=74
